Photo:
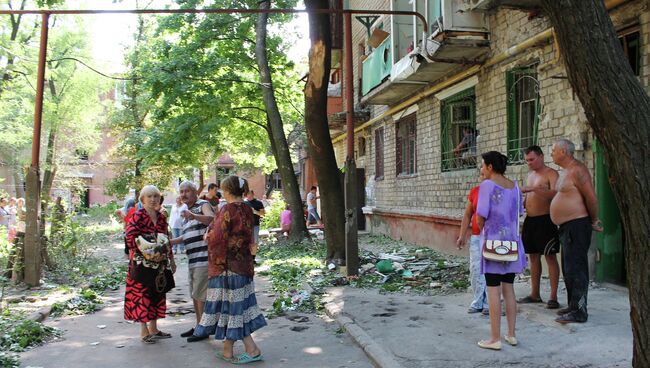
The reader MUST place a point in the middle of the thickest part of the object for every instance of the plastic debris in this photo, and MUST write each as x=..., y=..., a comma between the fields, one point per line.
x=384, y=266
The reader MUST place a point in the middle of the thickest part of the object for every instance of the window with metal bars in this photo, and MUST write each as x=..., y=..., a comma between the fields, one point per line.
x=458, y=131
x=523, y=109
x=379, y=153
x=405, y=145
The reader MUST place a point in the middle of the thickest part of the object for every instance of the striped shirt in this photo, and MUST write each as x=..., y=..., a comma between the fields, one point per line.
x=195, y=247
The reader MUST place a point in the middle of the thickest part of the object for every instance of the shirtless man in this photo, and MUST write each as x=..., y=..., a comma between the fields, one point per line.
x=539, y=234
x=575, y=210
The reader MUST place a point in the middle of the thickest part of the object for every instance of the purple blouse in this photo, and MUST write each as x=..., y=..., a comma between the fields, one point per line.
x=498, y=206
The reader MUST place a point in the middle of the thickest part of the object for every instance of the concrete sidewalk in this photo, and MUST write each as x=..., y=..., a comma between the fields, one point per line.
x=105, y=340
x=404, y=330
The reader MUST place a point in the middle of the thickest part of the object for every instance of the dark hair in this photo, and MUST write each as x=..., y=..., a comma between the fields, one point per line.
x=535, y=149
x=251, y=192
x=162, y=199
x=497, y=160
x=232, y=186
x=212, y=186
x=219, y=195
x=312, y=187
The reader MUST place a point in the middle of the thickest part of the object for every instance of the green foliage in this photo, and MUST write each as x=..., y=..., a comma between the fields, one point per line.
x=271, y=219
x=18, y=333
x=9, y=360
x=87, y=301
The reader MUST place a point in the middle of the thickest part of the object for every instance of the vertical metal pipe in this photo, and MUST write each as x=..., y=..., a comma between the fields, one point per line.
x=349, y=85
x=40, y=84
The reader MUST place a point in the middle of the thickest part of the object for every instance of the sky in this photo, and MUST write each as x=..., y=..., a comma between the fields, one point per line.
x=112, y=32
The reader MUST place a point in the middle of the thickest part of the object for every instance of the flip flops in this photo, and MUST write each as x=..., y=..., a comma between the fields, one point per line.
x=149, y=339
x=219, y=355
x=161, y=335
x=552, y=304
x=528, y=299
x=244, y=358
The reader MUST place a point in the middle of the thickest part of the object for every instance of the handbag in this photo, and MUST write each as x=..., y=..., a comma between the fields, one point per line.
x=158, y=280
x=503, y=250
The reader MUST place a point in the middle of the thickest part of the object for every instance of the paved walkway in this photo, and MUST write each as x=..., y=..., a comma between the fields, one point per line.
x=117, y=345
x=423, y=331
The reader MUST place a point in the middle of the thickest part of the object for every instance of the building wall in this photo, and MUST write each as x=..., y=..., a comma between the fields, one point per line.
x=426, y=207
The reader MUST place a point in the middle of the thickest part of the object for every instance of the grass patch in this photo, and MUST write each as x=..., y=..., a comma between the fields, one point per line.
x=18, y=334
x=88, y=301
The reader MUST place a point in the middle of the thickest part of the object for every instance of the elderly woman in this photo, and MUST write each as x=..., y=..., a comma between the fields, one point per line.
x=231, y=310
x=142, y=302
x=498, y=209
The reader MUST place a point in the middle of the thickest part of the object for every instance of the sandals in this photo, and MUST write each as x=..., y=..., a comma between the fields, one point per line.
x=219, y=355
x=244, y=358
x=512, y=340
x=492, y=346
x=552, y=304
x=528, y=299
x=149, y=339
x=161, y=335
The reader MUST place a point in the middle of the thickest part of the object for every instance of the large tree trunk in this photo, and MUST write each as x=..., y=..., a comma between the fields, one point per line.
x=607, y=88
x=318, y=135
x=46, y=187
x=276, y=130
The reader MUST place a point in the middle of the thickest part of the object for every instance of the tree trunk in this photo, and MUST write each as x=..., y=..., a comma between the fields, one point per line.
x=318, y=135
x=276, y=130
x=607, y=88
x=46, y=187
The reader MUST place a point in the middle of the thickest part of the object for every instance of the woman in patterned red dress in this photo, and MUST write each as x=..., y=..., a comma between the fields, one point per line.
x=141, y=304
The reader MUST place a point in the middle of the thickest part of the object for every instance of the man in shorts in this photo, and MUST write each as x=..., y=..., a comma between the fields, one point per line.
x=196, y=219
x=575, y=210
x=540, y=234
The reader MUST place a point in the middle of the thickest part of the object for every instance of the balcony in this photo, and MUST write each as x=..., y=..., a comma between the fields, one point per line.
x=409, y=59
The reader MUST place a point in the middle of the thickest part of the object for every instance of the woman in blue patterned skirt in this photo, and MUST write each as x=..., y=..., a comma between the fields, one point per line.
x=231, y=310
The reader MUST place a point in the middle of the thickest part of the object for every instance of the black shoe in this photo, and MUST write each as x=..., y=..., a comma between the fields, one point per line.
x=188, y=333
x=571, y=318
x=563, y=311
x=196, y=338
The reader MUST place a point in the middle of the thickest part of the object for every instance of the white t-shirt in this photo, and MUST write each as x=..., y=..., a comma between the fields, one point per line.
x=175, y=219
x=311, y=200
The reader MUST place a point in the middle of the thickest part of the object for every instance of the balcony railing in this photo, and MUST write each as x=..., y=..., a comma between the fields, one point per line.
x=459, y=159
x=376, y=67
x=516, y=149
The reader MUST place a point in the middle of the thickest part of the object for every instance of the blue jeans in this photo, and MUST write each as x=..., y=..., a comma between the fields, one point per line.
x=477, y=280
x=313, y=215
x=175, y=234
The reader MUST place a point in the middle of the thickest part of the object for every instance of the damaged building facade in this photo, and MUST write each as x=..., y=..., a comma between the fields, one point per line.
x=483, y=76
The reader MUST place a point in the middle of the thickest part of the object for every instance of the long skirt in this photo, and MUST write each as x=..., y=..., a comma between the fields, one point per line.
x=141, y=304
x=231, y=310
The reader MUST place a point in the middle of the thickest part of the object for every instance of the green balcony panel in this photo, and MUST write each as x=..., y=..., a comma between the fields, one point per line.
x=376, y=67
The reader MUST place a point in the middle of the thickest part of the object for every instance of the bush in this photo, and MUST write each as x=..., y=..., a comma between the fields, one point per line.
x=272, y=218
x=18, y=333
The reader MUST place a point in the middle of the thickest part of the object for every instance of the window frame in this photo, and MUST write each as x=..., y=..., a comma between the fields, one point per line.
x=514, y=139
x=467, y=96
x=380, y=139
x=406, y=146
x=624, y=36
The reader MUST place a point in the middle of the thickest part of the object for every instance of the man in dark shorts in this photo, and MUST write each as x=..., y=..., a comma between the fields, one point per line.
x=540, y=234
x=575, y=210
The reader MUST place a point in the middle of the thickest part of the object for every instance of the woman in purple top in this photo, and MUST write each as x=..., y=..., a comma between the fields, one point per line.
x=498, y=210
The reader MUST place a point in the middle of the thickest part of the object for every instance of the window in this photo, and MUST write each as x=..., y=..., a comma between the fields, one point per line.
x=379, y=153
x=523, y=109
x=405, y=146
x=362, y=147
x=458, y=131
x=222, y=173
x=629, y=38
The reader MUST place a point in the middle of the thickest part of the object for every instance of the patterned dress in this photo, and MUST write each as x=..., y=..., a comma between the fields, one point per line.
x=140, y=303
x=231, y=310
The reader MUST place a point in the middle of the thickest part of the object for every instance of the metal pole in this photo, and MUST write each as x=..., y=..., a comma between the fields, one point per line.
x=351, y=201
x=32, y=236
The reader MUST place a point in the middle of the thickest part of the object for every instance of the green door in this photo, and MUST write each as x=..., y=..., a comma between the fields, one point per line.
x=610, y=260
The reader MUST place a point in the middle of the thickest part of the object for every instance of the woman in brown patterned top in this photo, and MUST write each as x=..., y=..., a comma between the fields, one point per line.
x=231, y=310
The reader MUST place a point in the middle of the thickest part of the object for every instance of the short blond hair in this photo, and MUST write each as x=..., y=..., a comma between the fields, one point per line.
x=148, y=190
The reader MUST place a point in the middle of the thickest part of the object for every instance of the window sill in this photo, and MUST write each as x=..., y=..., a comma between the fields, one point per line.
x=379, y=178
x=407, y=176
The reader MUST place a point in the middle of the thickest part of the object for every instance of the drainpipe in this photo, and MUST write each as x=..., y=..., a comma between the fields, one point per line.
x=512, y=51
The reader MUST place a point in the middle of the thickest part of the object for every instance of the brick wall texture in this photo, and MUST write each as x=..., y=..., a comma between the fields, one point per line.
x=433, y=192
